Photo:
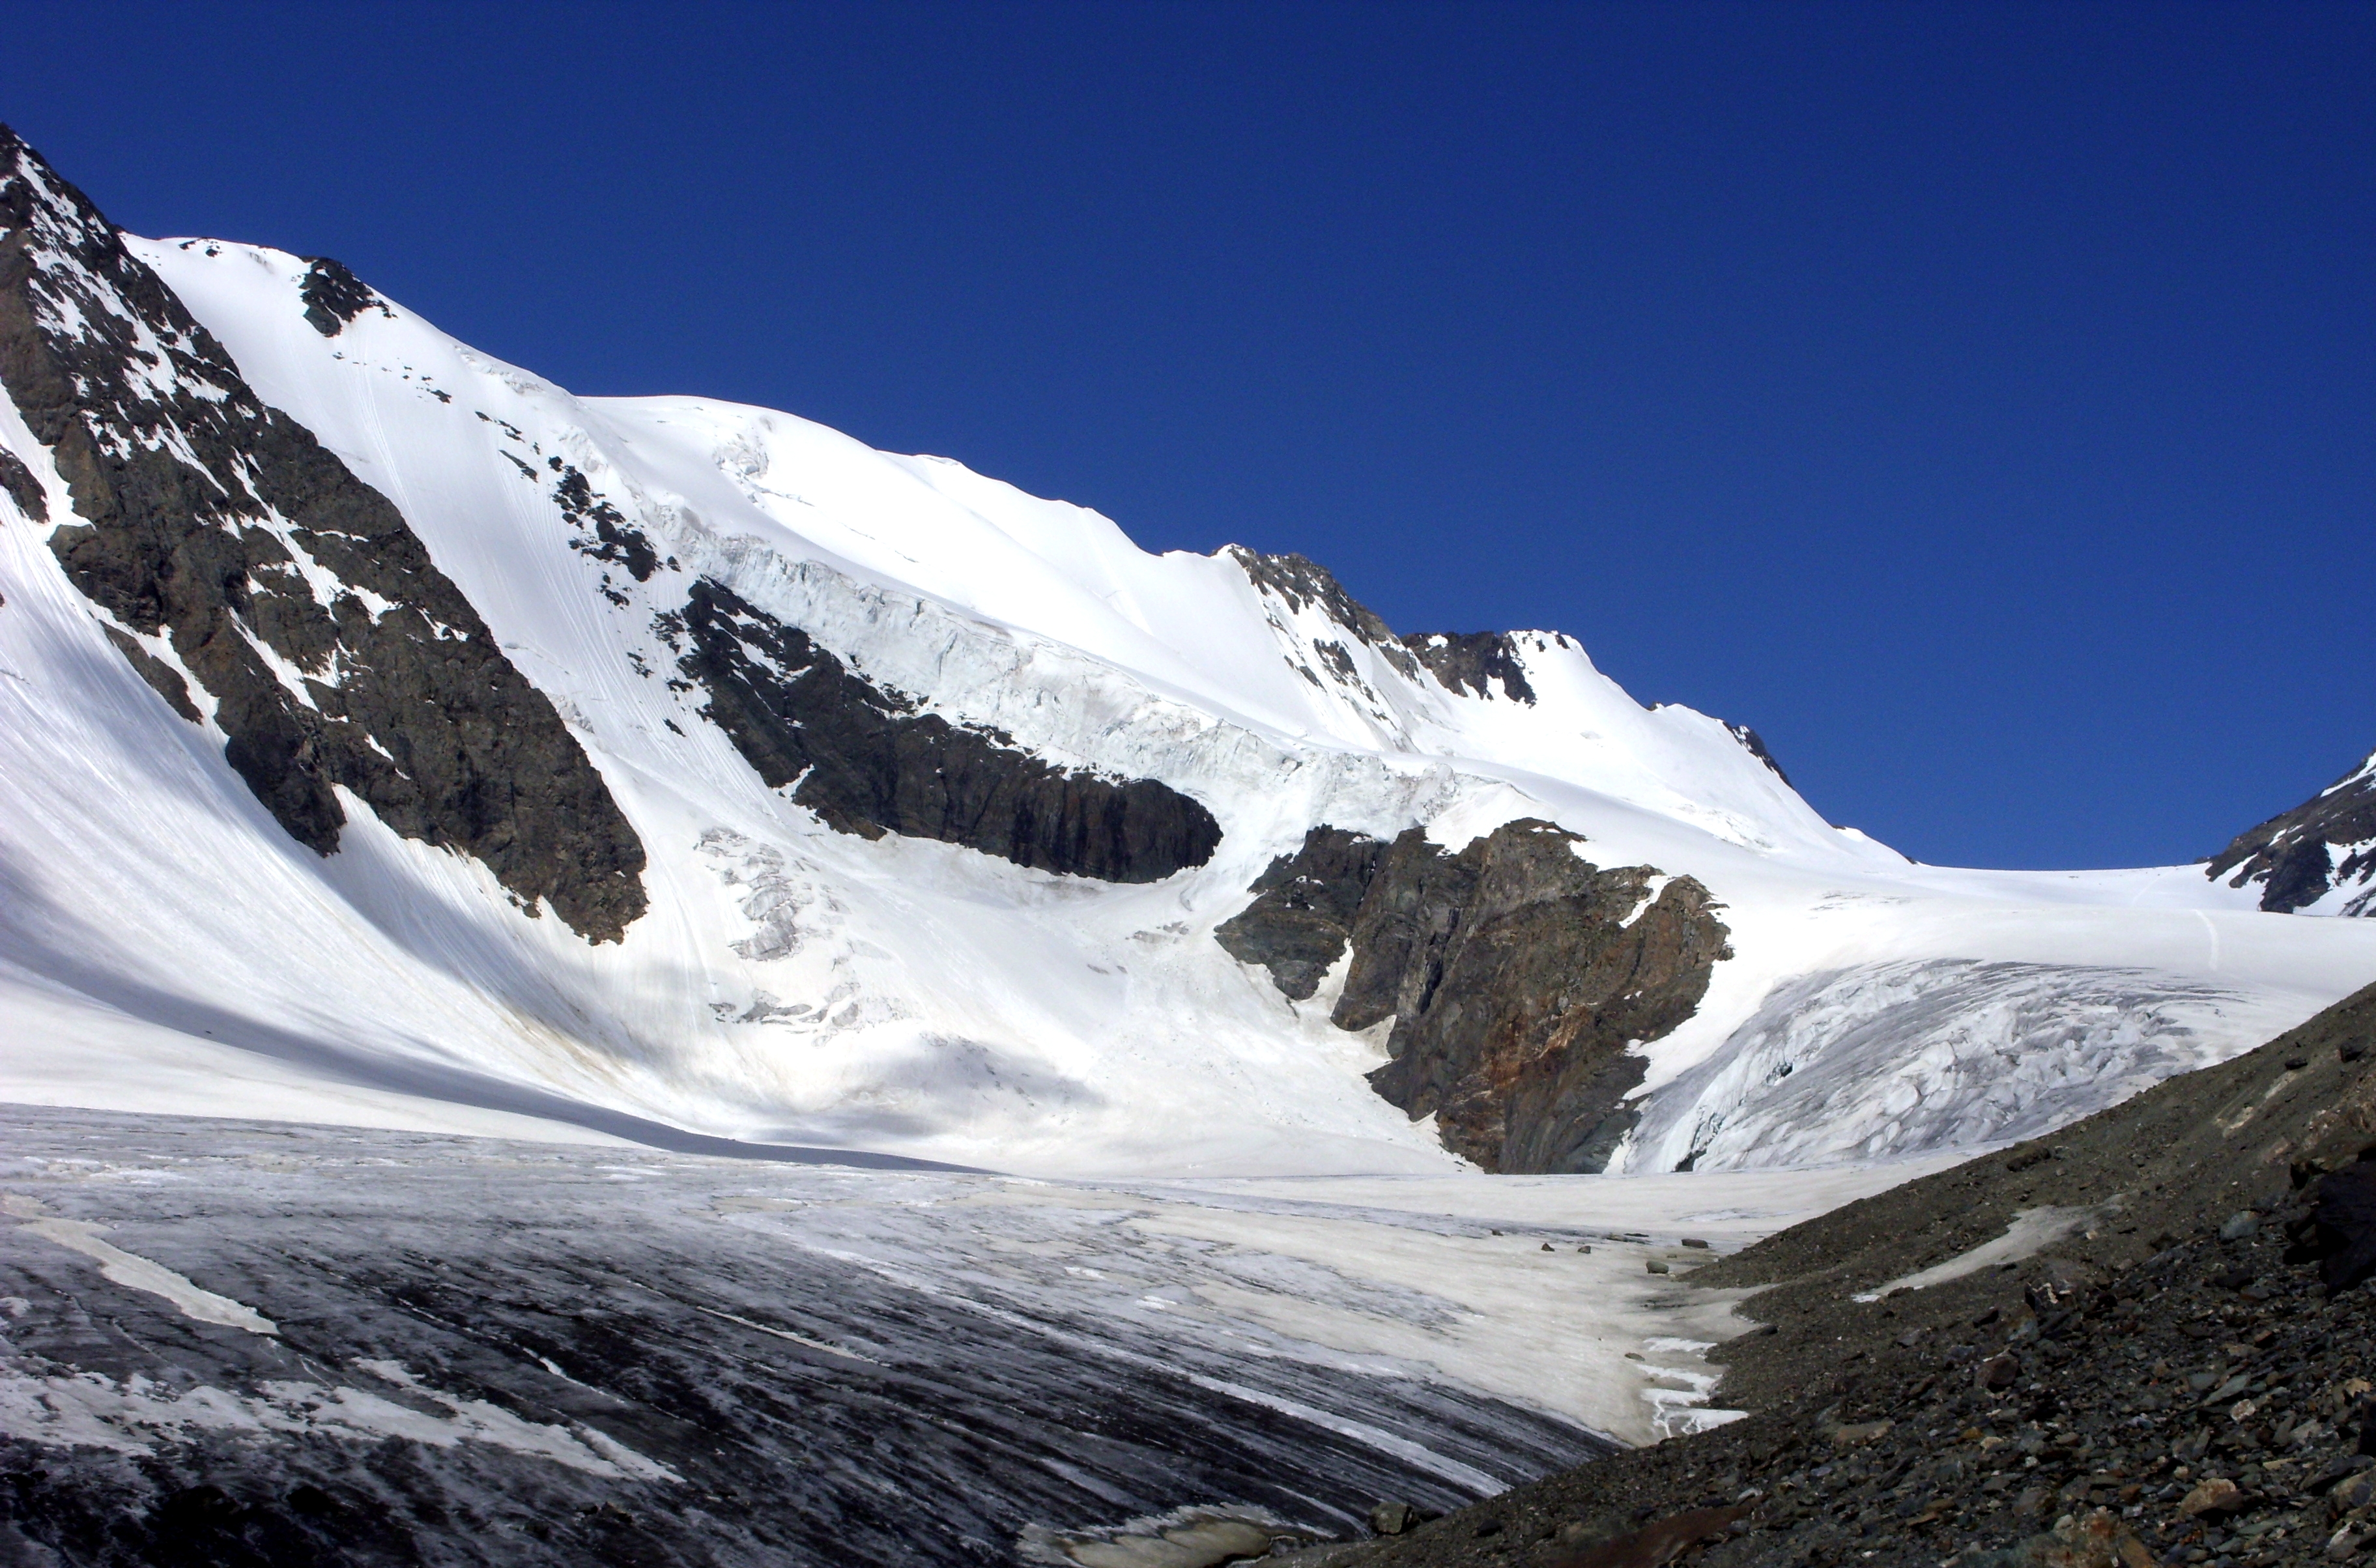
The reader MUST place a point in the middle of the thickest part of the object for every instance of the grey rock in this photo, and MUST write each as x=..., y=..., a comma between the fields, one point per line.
x=1302, y=582
x=21, y=487
x=2292, y=856
x=335, y=296
x=870, y=761
x=1517, y=974
x=192, y=538
x=1296, y=926
x=1472, y=662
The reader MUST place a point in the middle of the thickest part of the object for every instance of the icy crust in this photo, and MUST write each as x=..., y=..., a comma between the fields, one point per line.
x=796, y=984
x=1916, y=1057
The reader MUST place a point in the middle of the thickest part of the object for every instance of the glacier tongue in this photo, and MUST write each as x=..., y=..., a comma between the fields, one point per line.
x=801, y=976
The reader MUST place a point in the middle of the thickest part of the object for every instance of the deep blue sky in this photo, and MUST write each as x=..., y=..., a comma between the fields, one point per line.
x=1980, y=400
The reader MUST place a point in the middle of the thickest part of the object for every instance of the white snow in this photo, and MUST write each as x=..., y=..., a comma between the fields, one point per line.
x=2032, y=1231
x=132, y=1271
x=164, y=945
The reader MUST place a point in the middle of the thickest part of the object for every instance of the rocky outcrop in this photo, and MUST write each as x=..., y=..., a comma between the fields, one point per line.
x=1467, y=662
x=1303, y=582
x=22, y=488
x=335, y=296
x=1303, y=906
x=332, y=652
x=1472, y=661
x=1517, y=973
x=870, y=761
x=2328, y=841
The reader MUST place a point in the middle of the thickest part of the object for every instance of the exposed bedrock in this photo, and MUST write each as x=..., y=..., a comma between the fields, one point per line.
x=1301, y=582
x=335, y=296
x=1472, y=661
x=1754, y=745
x=1467, y=662
x=1304, y=906
x=1515, y=972
x=22, y=488
x=870, y=761
x=331, y=650
x=2294, y=857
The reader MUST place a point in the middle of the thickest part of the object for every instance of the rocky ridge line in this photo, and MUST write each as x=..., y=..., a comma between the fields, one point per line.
x=1462, y=662
x=2292, y=856
x=216, y=536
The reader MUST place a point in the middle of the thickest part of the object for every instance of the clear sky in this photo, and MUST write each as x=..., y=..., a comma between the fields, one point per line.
x=1978, y=400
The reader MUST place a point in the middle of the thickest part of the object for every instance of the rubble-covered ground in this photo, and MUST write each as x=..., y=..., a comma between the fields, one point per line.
x=2144, y=1340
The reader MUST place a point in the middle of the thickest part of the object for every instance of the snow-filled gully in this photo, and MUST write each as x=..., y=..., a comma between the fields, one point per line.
x=824, y=1362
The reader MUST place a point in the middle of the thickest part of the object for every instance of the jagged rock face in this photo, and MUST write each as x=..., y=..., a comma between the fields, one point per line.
x=869, y=761
x=22, y=488
x=1301, y=581
x=1303, y=906
x=1472, y=661
x=1460, y=661
x=230, y=549
x=1517, y=974
x=2294, y=856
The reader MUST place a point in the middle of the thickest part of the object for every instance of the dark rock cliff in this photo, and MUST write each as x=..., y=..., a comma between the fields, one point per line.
x=1303, y=906
x=1755, y=746
x=1472, y=661
x=334, y=652
x=22, y=487
x=869, y=762
x=1516, y=972
x=335, y=296
x=2293, y=856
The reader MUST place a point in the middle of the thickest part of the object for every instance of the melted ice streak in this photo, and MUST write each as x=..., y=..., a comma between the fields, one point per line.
x=1682, y=1410
x=134, y=1272
x=92, y=1411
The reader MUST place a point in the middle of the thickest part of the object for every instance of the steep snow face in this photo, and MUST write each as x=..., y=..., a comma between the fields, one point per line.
x=795, y=981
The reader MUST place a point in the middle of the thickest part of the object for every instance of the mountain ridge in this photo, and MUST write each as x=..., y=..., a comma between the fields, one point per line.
x=940, y=827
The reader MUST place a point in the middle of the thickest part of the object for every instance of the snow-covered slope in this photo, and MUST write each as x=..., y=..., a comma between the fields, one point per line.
x=1085, y=757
